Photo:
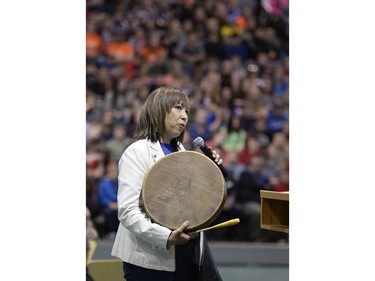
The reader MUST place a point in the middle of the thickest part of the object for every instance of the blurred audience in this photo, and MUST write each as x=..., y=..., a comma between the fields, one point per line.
x=230, y=56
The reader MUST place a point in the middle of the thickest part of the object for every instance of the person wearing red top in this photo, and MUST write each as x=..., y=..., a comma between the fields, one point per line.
x=282, y=183
x=251, y=149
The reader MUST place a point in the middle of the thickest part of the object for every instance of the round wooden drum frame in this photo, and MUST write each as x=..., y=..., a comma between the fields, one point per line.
x=181, y=186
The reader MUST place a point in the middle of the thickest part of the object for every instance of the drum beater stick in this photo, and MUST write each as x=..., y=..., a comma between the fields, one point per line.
x=223, y=224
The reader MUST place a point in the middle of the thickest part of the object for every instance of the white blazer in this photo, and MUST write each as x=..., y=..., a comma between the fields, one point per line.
x=138, y=240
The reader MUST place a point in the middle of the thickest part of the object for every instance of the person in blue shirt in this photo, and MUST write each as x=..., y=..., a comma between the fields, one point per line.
x=108, y=188
x=276, y=120
x=201, y=127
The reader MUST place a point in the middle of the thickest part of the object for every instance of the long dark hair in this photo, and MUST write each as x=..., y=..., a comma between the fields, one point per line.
x=152, y=115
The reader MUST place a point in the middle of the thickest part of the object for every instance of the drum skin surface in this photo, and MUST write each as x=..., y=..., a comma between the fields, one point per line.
x=182, y=186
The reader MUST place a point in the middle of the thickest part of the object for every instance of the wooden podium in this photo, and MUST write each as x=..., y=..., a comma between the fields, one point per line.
x=274, y=210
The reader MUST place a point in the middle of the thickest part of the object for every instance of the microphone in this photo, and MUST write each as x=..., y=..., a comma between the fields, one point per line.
x=199, y=142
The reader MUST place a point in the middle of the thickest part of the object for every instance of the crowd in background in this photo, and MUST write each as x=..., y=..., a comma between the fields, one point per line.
x=230, y=57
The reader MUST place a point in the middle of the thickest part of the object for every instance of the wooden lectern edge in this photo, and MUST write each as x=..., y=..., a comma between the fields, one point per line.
x=279, y=195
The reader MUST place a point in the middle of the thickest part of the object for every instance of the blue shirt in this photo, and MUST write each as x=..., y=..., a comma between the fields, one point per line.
x=167, y=148
x=107, y=192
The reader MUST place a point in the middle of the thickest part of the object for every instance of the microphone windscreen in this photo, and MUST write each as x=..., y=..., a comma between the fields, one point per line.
x=198, y=142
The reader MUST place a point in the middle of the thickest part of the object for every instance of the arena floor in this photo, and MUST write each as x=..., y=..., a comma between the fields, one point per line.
x=236, y=261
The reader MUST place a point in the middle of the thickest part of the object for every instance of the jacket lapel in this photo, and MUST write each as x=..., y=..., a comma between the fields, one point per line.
x=155, y=150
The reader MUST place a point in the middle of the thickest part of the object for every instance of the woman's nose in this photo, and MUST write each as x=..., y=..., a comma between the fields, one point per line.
x=184, y=115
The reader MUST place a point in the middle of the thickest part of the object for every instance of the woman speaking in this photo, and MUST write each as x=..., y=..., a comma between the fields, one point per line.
x=150, y=251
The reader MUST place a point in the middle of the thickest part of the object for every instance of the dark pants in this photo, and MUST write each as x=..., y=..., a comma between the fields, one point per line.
x=111, y=221
x=185, y=267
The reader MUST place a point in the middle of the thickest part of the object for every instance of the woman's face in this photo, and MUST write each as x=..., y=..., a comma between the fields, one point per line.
x=175, y=122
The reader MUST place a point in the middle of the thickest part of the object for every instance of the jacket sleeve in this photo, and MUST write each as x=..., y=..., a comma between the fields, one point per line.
x=133, y=167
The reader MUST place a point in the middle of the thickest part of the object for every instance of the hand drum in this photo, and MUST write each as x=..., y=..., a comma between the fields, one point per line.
x=182, y=186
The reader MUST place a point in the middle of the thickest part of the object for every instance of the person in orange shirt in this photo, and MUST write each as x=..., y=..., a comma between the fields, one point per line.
x=153, y=52
x=94, y=42
x=122, y=52
x=119, y=49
